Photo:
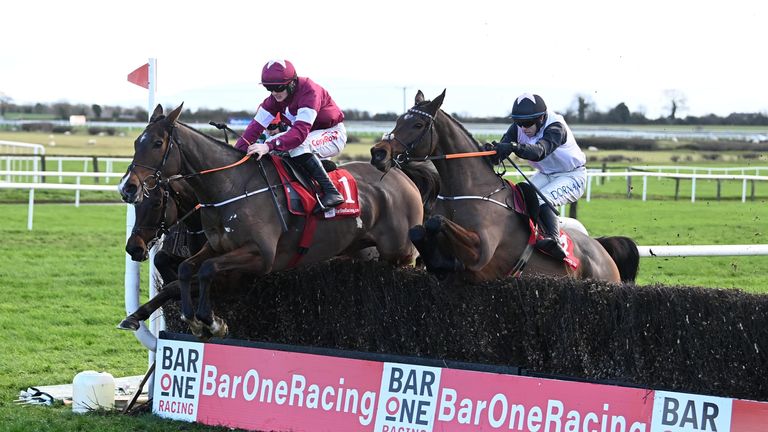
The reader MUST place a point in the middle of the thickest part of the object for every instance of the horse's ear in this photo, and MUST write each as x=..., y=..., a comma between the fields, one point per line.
x=438, y=102
x=174, y=115
x=157, y=113
x=419, y=97
x=434, y=105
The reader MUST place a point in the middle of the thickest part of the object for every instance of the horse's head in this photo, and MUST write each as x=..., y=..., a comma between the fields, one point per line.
x=413, y=136
x=154, y=215
x=153, y=157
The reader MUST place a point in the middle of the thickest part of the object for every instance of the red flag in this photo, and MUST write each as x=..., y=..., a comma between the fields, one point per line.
x=140, y=76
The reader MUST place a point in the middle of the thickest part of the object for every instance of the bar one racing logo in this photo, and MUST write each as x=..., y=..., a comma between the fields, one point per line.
x=678, y=412
x=177, y=380
x=408, y=398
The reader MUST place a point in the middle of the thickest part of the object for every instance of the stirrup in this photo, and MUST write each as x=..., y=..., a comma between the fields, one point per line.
x=551, y=247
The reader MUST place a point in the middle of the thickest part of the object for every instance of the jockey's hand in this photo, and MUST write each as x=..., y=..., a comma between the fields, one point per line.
x=503, y=150
x=258, y=149
x=491, y=146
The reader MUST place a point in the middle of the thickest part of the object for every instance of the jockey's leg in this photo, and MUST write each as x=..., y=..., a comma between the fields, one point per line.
x=550, y=230
x=325, y=143
x=331, y=196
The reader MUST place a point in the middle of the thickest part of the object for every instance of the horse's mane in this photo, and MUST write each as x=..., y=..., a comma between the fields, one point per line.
x=461, y=126
x=209, y=137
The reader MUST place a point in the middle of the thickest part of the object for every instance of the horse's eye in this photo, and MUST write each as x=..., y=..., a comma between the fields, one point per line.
x=158, y=143
x=419, y=125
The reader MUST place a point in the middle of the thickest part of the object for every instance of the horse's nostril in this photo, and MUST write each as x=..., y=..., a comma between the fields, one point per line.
x=378, y=155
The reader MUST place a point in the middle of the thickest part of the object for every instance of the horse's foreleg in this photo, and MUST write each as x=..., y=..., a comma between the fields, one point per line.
x=131, y=322
x=170, y=291
x=187, y=270
x=246, y=258
x=464, y=245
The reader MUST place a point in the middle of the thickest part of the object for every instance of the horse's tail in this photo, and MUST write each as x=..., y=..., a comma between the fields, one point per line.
x=426, y=178
x=624, y=252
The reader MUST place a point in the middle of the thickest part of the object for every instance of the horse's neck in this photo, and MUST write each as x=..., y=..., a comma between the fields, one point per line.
x=201, y=153
x=460, y=175
x=198, y=153
x=185, y=205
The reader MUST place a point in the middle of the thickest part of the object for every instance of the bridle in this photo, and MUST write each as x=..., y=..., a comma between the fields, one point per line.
x=410, y=146
x=162, y=227
x=151, y=181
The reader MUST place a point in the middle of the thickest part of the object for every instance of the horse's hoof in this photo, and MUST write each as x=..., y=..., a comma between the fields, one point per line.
x=219, y=328
x=129, y=323
x=195, y=326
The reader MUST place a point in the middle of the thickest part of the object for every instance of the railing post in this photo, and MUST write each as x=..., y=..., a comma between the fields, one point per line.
x=31, y=209
x=95, y=167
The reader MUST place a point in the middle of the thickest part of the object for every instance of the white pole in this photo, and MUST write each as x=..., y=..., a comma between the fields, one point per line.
x=132, y=288
x=31, y=209
x=77, y=193
x=152, y=86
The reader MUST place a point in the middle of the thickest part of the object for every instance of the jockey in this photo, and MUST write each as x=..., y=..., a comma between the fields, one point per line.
x=317, y=127
x=544, y=139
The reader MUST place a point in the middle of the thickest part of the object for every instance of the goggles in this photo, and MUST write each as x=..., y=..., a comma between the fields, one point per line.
x=526, y=123
x=275, y=88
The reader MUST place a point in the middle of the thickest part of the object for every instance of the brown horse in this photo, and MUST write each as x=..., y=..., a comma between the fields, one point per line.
x=157, y=214
x=243, y=219
x=473, y=230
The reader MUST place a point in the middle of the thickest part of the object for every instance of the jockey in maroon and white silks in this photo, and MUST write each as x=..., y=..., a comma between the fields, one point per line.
x=316, y=125
x=315, y=119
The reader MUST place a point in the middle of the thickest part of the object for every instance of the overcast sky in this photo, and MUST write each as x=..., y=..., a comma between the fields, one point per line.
x=368, y=54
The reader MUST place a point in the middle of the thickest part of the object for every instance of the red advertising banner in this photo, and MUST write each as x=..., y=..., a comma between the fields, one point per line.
x=260, y=388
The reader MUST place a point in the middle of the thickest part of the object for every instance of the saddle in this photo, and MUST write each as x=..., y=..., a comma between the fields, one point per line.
x=526, y=202
x=300, y=188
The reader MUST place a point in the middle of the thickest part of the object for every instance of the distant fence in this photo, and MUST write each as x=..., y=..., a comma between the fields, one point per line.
x=12, y=162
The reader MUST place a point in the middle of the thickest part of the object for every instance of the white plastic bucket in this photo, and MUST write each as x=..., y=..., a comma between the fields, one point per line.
x=93, y=390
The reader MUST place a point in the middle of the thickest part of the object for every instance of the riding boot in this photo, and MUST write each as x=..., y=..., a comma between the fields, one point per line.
x=550, y=230
x=331, y=196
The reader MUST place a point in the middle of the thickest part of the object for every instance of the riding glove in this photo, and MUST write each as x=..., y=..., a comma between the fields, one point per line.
x=503, y=150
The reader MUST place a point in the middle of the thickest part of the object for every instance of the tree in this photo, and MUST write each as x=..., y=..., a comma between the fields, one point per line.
x=96, y=110
x=582, y=103
x=4, y=101
x=677, y=102
x=619, y=114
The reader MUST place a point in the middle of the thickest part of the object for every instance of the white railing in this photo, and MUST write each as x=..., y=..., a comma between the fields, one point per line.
x=703, y=250
x=693, y=177
x=694, y=169
x=23, y=163
x=53, y=186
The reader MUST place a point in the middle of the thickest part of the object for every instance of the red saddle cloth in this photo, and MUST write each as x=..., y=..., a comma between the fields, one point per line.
x=519, y=205
x=303, y=202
